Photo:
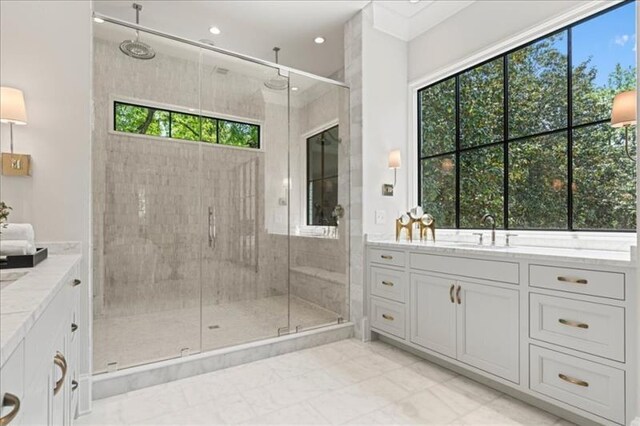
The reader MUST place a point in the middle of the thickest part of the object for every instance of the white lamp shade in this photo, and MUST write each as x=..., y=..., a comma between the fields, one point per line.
x=623, y=112
x=12, y=109
x=394, y=159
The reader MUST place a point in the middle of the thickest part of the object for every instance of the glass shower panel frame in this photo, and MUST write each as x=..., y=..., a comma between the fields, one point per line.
x=245, y=283
x=200, y=245
x=319, y=255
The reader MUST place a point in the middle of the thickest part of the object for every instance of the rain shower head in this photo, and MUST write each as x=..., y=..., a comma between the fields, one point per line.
x=135, y=48
x=278, y=82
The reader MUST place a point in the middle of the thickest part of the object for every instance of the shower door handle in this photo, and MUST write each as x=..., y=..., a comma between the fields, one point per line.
x=212, y=226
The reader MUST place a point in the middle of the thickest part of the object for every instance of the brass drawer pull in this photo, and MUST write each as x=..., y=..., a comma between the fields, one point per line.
x=458, y=295
x=74, y=385
x=60, y=361
x=387, y=283
x=387, y=317
x=74, y=327
x=572, y=280
x=10, y=400
x=386, y=256
x=573, y=323
x=76, y=282
x=573, y=380
x=451, y=293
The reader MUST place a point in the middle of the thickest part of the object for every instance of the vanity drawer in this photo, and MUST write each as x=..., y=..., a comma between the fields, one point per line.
x=584, y=326
x=387, y=257
x=388, y=316
x=507, y=272
x=388, y=283
x=582, y=281
x=593, y=387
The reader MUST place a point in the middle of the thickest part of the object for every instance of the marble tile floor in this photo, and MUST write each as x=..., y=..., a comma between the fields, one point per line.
x=346, y=382
x=138, y=339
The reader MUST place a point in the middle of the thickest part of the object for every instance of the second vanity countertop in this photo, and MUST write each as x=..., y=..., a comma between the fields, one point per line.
x=625, y=259
x=23, y=301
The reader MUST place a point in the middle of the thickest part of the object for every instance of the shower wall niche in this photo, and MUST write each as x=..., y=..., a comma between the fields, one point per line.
x=200, y=245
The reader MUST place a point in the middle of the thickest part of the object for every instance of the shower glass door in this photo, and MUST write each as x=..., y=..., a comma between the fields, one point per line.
x=146, y=201
x=244, y=210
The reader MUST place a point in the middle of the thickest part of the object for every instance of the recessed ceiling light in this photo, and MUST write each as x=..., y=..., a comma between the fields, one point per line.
x=214, y=30
x=414, y=1
x=319, y=40
x=294, y=89
x=98, y=20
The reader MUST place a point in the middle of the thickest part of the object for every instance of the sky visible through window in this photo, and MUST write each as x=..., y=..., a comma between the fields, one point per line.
x=607, y=40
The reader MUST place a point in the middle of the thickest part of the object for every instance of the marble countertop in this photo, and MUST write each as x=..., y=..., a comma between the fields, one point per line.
x=24, y=300
x=592, y=257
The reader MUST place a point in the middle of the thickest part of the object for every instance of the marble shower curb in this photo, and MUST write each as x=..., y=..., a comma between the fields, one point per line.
x=130, y=379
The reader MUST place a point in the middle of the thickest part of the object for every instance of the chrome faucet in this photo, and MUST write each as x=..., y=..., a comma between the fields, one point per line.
x=492, y=221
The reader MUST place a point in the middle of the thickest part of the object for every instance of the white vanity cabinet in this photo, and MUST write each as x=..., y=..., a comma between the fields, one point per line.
x=474, y=323
x=560, y=330
x=42, y=372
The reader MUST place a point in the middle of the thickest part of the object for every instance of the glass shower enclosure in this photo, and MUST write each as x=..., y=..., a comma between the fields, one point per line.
x=220, y=200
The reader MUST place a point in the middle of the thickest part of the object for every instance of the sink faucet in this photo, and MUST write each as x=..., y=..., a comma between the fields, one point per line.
x=492, y=221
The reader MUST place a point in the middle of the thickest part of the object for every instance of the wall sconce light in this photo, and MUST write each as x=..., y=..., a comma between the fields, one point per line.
x=623, y=114
x=394, y=163
x=13, y=111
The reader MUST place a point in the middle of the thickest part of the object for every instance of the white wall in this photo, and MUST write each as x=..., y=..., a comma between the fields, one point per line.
x=45, y=50
x=477, y=27
x=384, y=120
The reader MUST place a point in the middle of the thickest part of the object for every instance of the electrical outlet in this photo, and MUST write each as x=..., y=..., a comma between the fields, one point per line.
x=381, y=217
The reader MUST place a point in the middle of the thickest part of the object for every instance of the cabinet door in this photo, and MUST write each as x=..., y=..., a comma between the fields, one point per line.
x=487, y=321
x=433, y=313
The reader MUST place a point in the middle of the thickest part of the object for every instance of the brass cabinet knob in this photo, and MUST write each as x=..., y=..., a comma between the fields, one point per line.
x=76, y=282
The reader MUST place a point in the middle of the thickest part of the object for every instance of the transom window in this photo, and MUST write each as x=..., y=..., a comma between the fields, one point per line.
x=526, y=135
x=146, y=120
x=322, y=177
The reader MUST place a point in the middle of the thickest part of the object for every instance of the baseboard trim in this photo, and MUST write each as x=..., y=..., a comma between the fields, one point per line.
x=130, y=379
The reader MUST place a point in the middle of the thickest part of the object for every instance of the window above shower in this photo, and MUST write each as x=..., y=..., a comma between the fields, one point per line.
x=166, y=123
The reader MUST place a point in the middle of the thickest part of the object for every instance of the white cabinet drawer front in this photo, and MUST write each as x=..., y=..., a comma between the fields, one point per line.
x=388, y=283
x=387, y=257
x=593, y=387
x=388, y=316
x=584, y=326
x=582, y=281
x=507, y=272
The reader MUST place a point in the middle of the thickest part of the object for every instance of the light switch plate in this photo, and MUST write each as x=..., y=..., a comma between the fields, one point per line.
x=381, y=217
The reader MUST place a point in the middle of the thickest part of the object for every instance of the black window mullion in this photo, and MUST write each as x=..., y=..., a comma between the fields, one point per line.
x=569, y=131
x=505, y=150
x=457, y=157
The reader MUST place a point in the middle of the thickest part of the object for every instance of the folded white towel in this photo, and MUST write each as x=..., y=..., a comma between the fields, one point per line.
x=16, y=247
x=18, y=231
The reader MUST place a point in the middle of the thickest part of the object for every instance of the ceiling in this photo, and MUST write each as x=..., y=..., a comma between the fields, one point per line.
x=254, y=27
